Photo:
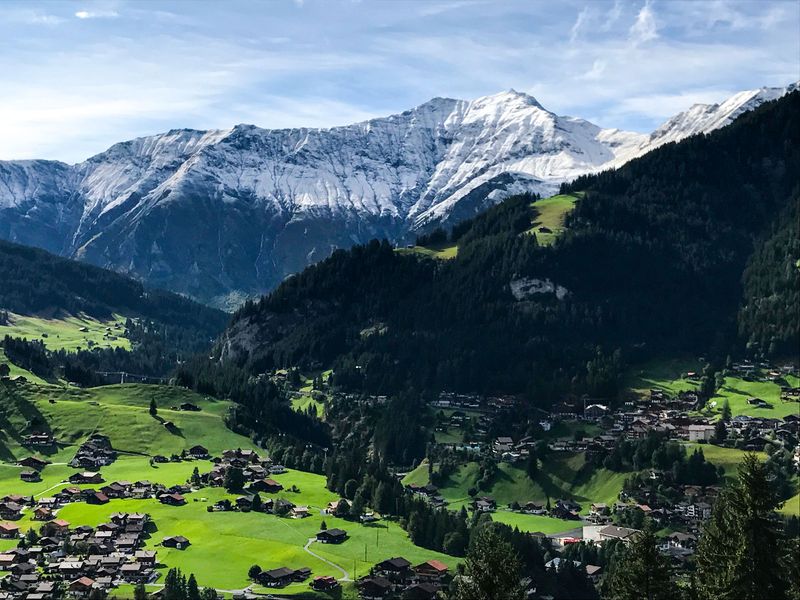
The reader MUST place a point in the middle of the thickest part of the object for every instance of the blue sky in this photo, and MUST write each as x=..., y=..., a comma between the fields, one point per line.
x=76, y=77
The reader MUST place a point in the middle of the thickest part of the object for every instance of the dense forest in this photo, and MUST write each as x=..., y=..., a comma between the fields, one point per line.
x=163, y=327
x=654, y=260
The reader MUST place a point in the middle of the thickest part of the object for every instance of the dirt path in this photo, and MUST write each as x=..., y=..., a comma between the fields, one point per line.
x=345, y=575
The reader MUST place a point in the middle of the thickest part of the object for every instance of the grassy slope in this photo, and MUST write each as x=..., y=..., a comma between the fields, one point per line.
x=561, y=476
x=121, y=412
x=663, y=375
x=443, y=251
x=64, y=333
x=118, y=411
x=19, y=371
x=550, y=213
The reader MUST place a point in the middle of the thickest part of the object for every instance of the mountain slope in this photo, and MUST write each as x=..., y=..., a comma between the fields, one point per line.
x=651, y=261
x=222, y=215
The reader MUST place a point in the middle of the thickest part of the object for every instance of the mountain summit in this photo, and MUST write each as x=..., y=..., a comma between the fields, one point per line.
x=226, y=214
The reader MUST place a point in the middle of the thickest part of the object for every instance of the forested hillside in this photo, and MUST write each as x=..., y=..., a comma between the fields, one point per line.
x=160, y=326
x=654, y=252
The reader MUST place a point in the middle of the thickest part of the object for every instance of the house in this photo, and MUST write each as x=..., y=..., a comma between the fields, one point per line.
x=595, y=412
x=86, y=477
x=96, y=498
x=421, y=591
x=697, y=433
x=612, y=532
x=276, y=577
x=593, y=572
x=190, y=406
x=172, y=499
x=431, y=569
x=324, y=583
x=199, y=452
x=32, y=462
x=9, y=530
x=30, y=476
x=396, y=568
x=269, y=486
x=374, y=588
x=300, y=512
x=81, y=587
x=10, y=510
x=176, y=541
x=332, y=536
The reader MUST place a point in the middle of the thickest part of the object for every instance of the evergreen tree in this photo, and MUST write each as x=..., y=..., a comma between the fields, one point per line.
x=642, y=572
x=153, y=407
x=726, y=411
x=192, y=591
x=234, y=479
x=492, y=569
x=253, y=572
x=741, y=553
x=139, y=592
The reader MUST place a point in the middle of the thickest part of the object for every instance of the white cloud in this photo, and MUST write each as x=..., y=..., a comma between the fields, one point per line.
x=613, y=15
x=576, y=27
x=97, y=14
x=645, y=27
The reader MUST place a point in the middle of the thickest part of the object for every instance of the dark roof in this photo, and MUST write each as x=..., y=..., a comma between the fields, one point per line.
x=397, y=562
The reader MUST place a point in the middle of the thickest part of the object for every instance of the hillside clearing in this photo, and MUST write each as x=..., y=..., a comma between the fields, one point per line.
x=550, y=214
x=66, y=332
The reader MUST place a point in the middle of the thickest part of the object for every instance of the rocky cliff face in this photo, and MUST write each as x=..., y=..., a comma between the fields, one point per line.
x=223, y=215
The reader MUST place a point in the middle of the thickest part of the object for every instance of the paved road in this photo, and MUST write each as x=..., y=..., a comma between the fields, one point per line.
x=345, y=575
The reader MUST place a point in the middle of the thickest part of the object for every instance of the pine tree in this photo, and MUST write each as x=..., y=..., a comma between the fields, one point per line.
x=726, y=411
x=153, y=407
x=139, y=592
x=192, y=591
x=492, y=569
x=642, y=573
x=740, y=555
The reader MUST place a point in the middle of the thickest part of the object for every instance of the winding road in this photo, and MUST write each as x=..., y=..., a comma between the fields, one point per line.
x=345, y=575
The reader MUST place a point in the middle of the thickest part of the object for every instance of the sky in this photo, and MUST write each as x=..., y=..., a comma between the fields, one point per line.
x=76, y=77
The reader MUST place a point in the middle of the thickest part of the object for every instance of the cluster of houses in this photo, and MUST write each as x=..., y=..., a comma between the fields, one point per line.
x=257, y=471
x=81, y=560
x=396, y=577
x=94, y=453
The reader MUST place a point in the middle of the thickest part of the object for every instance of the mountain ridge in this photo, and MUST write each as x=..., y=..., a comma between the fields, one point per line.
x=222, y=215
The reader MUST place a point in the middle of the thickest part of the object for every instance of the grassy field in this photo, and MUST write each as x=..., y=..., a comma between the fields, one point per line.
x=19, y=371
x=551, y=213
x=737, y=391
x=666, y=375
x=240, y=539
x=441, y=251
x=244, y=539
x=727, y=458
x=534, y=523
x=64, y=333
x=119, y=411
x=561, y=475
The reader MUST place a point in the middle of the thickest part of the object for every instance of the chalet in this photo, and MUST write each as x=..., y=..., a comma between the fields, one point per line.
x=612, y=532
x=300, y=512
x=595, y=412
x=189, y=406
x=172, y=499
x=6, y=560
x=10, y=511
x=324, y=583
x=566, y=509
x=146, y=557
x=396, y=568
x=269, y=486
x=593, y=572
x=32, y=462
x=431, y=569
x=134, y=572
x=38, y=439
x=421, y=591
x=564, y=411
x=81, y=587
x=199, y=452
x=332, y=536
x=374, y=588
x=30, y=476
x=277, y=470
x=42, y=513
x=96, y=498
x=117, y=489
x=532, y=508
x=9, y=530
x=276, y=577
x=176, y=541
x=86, y=477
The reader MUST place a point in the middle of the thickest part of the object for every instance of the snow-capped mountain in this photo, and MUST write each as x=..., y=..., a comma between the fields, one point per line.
x=222, y=215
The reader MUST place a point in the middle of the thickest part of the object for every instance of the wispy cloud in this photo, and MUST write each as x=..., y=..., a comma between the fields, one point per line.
x=97, y=14
x=579, y=22
x=645, y=28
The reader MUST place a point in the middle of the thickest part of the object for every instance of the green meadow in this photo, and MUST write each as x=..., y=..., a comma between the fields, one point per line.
x=64, y=332
x=550, y=213
x=561, y=475
x=442, y=251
